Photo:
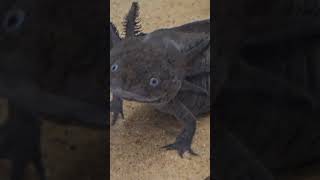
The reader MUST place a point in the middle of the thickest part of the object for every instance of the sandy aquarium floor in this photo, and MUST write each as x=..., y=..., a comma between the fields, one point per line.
x=136, y=142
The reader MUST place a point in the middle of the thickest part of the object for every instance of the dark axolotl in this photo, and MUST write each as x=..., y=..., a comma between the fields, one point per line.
x=49, y=69
x=168, y=69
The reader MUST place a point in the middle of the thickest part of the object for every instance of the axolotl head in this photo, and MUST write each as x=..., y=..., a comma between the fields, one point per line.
x=149, y=70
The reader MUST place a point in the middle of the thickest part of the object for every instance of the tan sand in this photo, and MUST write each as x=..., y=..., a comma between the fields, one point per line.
x=135, y=142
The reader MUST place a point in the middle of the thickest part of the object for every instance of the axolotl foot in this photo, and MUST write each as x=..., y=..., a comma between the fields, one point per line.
x=116, y=107
x=181, y=145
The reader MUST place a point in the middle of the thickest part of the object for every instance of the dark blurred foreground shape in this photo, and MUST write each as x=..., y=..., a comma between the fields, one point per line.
x=267, y=107
x=53, y=60
x=52, y=64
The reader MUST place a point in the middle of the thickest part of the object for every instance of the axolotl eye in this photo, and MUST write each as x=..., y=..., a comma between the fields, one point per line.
x=154, y=82
x=13, y=20
x=114, y=67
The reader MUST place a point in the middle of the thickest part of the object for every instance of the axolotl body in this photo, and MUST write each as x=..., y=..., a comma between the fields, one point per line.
x=168, y=69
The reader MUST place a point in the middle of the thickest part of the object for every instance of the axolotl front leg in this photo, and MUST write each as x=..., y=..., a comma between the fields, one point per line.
x=116, y=107
x=184, y=139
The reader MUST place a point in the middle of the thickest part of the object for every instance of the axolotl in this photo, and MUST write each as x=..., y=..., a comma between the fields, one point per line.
x=167, y=68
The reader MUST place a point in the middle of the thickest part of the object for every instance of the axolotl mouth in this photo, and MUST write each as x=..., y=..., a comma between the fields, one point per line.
x=129, y=96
